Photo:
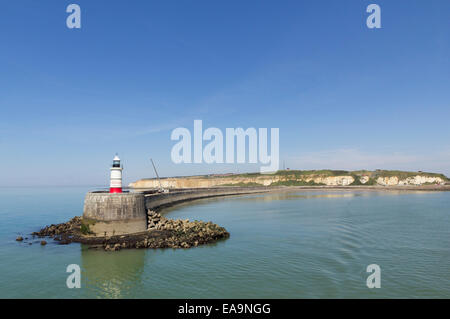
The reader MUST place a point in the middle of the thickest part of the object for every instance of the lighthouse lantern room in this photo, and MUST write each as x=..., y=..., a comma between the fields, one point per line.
x=115, y=185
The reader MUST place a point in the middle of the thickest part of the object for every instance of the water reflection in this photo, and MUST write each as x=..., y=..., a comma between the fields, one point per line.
x=112, y=274
x=296, y=196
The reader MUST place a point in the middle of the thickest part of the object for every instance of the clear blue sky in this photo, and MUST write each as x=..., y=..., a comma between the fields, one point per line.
x=344, y=96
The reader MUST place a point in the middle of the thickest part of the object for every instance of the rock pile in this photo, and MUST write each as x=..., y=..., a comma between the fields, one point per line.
x=162, y=233
x=72, y=226
x=155, y=220
x=172, y=234
x=158, y=222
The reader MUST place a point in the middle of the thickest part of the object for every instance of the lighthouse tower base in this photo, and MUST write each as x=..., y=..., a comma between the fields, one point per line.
x=114, y=213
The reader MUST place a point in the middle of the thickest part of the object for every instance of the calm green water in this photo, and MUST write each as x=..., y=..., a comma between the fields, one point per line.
x=293, y=245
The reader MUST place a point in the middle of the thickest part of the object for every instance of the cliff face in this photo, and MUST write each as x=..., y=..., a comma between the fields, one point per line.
x=415, y=180
x=298, y=178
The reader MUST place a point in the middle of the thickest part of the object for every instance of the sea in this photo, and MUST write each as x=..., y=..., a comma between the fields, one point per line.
x=299, y=244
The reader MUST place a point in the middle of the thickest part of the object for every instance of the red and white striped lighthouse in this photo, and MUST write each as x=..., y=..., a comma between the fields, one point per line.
x=115, y=185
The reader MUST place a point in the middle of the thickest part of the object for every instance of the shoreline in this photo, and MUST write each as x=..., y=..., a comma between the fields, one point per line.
x=430, y=188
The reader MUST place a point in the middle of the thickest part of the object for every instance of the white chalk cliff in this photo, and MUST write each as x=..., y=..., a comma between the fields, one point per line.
x=293, y=178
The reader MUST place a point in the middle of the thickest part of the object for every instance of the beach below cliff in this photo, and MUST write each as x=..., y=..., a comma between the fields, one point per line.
x=432, y=188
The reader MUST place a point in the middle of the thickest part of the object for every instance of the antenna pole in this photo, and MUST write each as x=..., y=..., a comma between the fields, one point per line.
x=159, y=180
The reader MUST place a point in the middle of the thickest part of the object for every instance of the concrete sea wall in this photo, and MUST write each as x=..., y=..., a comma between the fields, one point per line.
x=161, y=200
x=126, y=213
x=115, y=214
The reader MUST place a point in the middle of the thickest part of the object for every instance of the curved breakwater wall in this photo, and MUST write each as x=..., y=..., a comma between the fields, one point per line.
x=115, y=214
x=158, y=201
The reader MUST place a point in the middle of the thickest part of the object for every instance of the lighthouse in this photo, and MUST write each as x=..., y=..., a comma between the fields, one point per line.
x=115, y=185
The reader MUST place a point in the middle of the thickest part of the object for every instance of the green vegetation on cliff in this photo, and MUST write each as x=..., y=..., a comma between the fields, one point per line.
x=404, y=174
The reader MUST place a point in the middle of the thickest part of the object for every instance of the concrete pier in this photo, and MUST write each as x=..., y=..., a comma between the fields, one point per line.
x=126, y=213
x=115, y=213
x=158, y=201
